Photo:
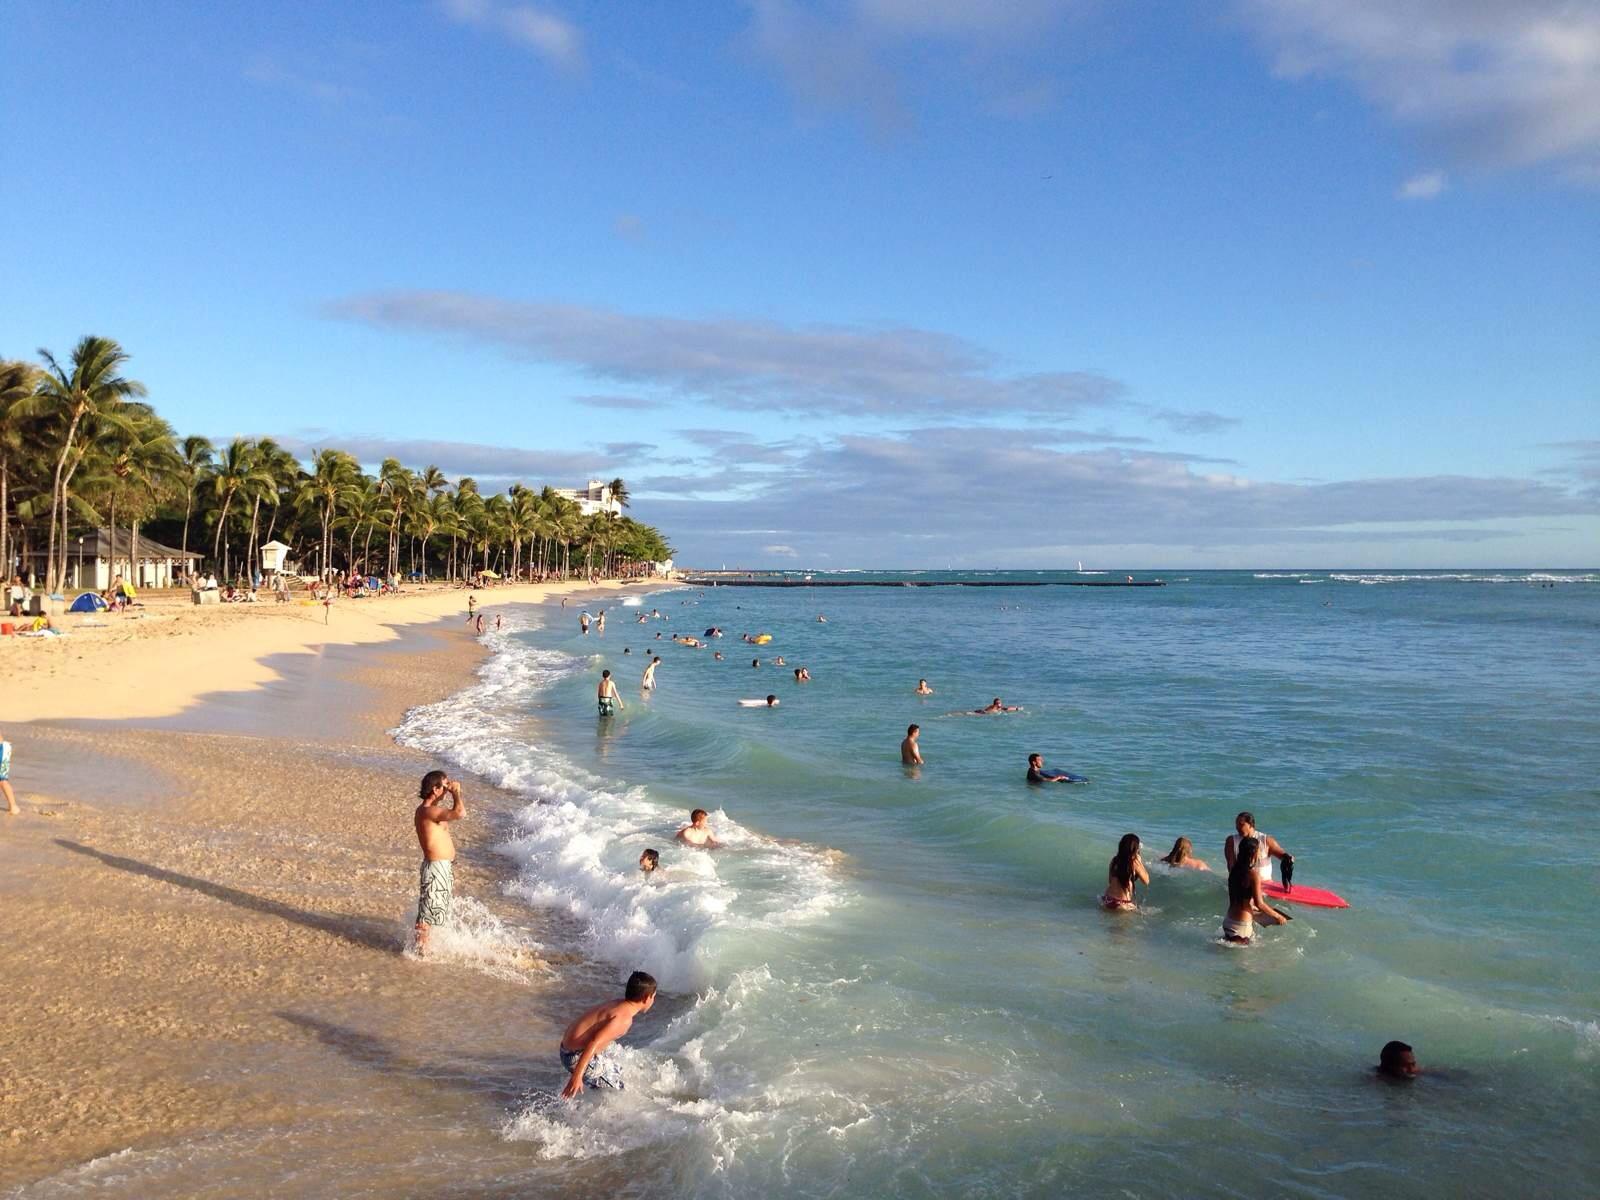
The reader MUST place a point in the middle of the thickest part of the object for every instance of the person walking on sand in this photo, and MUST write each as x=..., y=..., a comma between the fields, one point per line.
x=442, y=803
x=608, y=697
x=5, y=777
x=472, y=608
x=583, y=1045
x=910, y=752
x=649, y=681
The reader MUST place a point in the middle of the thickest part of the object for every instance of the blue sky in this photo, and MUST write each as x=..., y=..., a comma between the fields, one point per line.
x=866, y=282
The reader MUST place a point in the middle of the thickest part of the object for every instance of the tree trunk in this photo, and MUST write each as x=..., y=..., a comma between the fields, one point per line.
x=57, y=499
x=5, y=521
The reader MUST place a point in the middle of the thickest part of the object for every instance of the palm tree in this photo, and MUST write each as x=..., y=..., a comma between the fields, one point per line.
x=91, y=395
x=432, y=516
x=17, y=382
x=619, y=492
x=333, y=472
x=195, y=459
x=402, y=488
x=239, y=471
x=136, y=460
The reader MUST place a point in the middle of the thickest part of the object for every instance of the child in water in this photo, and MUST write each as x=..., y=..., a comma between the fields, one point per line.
x=1182, y=855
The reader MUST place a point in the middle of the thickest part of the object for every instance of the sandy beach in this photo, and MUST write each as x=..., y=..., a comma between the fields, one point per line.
x=208, y=903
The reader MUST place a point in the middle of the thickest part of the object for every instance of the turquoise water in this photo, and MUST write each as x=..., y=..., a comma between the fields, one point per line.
x=940, y=1008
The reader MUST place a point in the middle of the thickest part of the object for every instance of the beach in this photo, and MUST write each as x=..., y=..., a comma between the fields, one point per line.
x=888, y=981
x=209, y=889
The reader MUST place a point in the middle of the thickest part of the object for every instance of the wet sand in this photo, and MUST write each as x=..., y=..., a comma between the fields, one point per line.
x=207, y=994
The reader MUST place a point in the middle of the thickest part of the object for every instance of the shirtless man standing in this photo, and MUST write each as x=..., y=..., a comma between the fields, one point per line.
x=432, y=820
x=698, y=832
x=910, y=752
x=650, y=674
x=607, y=697
x=583, y=1044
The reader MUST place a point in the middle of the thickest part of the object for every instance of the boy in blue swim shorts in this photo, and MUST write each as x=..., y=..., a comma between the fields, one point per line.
x=584, y=1043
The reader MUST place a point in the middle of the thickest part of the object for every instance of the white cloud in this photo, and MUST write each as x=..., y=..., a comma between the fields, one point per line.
x=552, y=37
x=781, y=551
x=1425, y=186
x=751, y=364
x=1495, y=83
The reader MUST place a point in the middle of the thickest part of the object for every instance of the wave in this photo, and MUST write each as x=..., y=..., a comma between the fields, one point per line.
x=1281, y=574
x=1380, y=577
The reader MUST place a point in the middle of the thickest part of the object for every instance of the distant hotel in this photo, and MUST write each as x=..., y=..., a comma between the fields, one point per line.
x=595, y=498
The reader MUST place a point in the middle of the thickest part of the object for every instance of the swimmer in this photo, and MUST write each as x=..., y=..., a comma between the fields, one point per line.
x=995, y=706
x=1182, y=855
x=755, y=662
x=1124, y=875
x=910, y=752
x=1267, y=849
x=585, y=1040
x=625, y=650
x=778, y=662
x=1245, y=901
x=1398, y=1061
x=697, y=832
x=801, y=675
x=607, y=696
x=923, y=689
x=717, y=654
x=649, y=681
x=1037, y=773
x=649, y=861
x=583, y=620
x=821, y=620
x=600, y=622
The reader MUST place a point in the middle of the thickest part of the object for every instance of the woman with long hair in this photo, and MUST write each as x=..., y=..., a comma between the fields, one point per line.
x=1126, y=872
x=1245, y=900
x=1182, y=855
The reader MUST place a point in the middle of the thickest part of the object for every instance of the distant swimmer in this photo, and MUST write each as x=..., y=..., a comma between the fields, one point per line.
x=583, y=620
x=778, y=662
x=608, y=697
x=1182, y=855
x=1037, y=773
x=821, y=620
x=995, y=706
x=1267, y=849
x=584, y=1043
x=769, y=702
x=649, y=861
x=1398, y=1061
x=641, y=619
x=923, y=689
x=910, y=752
x=1123, y=877
x=717, y=654
x=1245, y=901
x=698, y=831
x=600, y=622
x=442, y=803
x=649, y=681
x=755, y=662
x=801, y=675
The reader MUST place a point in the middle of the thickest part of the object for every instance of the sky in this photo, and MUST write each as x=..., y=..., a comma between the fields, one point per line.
x=857, y=283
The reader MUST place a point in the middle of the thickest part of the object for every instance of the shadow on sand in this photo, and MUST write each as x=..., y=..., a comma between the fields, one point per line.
x=366, y=932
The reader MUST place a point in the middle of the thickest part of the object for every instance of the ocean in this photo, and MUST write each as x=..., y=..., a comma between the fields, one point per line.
x=897, y=982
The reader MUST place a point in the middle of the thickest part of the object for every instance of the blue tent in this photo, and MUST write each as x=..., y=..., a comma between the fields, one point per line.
x=88, y=602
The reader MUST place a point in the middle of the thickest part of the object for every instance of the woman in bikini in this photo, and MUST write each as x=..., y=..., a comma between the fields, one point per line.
x=1126, y=871
x=1245, y=901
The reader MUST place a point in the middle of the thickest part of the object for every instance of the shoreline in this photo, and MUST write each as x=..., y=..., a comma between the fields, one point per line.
x=159, y=660
x=209, y=908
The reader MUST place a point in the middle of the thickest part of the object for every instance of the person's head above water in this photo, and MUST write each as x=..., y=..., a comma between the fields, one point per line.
x=913, y=730
x=605, y=674
x=1245, y=823
x=649, y=860
x=1181, y=850
x=1397, y=1061
x=755, y=662
x=1122, y=864
x=641, y=989
x=698, y=817
x=772, y=701
x=1036, y=760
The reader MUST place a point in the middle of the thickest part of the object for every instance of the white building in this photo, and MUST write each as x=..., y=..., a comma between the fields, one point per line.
x=95, y=558
x=594, y=498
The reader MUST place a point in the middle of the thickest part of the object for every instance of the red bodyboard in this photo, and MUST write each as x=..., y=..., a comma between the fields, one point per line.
x=1299, y=894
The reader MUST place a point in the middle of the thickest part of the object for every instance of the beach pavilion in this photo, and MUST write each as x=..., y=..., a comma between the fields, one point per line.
x=97, y=556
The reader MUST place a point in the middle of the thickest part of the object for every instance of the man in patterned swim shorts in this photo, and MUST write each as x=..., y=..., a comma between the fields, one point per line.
x=584, y=1044
x=441, y=804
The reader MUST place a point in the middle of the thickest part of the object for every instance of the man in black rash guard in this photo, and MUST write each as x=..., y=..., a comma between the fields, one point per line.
x=1037, y=773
